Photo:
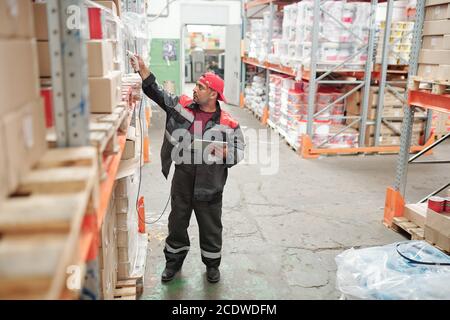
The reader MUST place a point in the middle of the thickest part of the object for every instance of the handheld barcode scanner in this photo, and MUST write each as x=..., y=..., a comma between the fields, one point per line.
x=135, y=60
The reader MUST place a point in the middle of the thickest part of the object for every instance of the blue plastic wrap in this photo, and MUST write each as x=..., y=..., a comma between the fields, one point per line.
x=382, y=272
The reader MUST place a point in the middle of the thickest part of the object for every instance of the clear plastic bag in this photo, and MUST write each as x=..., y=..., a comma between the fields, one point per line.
x=392, y=272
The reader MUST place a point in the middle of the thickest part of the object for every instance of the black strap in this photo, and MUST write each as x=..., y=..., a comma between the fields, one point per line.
x=429, y=263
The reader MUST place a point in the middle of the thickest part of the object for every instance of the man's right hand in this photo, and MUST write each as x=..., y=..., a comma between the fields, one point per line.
x=143, y=69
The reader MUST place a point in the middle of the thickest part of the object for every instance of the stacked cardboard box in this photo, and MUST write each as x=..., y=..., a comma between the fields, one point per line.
x=108, y=252
x=126, y=193
x=416, y=213
x=22, y=127
x=115, y=6
x=434, y=59
x=104, y=78
x=437, y=229
x=400, y=39
x=440, y=123
x=392, y=109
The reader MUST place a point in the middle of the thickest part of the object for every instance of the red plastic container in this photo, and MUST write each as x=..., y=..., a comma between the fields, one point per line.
x=437, y=204
x=447, y=205
x=47, y=94
x=95, y=23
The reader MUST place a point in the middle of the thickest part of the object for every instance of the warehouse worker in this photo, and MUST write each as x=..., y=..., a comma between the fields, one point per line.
x=196, y=185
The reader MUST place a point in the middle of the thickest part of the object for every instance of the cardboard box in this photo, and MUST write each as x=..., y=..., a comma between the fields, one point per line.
x=127, y=186
x=40, y=21
x=446, y=42
x=130, y=150
x=25, y=140
x=45, y=69
x=437, y=12
x=390, y=140
x=437, y=229
x=108, y=272
x=385, y=130
x=434, y=71
x=108, y=253
x=434, y=56
x=16, y=19
x=100, y=57
x=19, y=79
x=3, y=168
x=122, y=205
x=436, y=27
x=124, y=269
x=109, y=5
x=440, y=42
x=118, y=5
x=104, y=93
x=121, y=188
x=417, y=213
x=122, y=220
x=435, y=2
x=123, y=255
x=108, y=230
x=123, y=236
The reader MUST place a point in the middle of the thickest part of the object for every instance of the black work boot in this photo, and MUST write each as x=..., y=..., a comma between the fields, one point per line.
x=168, y=274
x=212, y=274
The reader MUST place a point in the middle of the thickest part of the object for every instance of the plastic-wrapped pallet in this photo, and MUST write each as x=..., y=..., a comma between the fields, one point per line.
x=255, y=36
x=336, y=43
x=400, y=41
x=126, y=193
x=108, y=253
x=399, y=271
x=287, y=84
x=274, y=98
x=255, y=97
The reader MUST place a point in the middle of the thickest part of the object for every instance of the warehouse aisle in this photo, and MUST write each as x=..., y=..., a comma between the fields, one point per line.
x=281, y=232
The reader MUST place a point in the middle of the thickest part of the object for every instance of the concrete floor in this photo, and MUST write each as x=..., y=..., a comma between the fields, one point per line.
x=283, y=231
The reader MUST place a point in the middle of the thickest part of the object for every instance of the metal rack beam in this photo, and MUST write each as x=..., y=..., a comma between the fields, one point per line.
x=313, y=68
x=405, y=140
x=368, y=74
x=269, y=46
x=69, y=71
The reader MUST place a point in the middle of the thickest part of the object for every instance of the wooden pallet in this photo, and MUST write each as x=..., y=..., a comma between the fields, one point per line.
x=40, y=224
x=393, y=68
x=129, y=289
x=104, y=129
x=403, y=225
x=437, y=86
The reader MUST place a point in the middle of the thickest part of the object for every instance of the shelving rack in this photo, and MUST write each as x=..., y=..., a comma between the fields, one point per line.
x=395, y=196
x=436, y=100
x=75, y=229
x=361, y=79
x=384, y=84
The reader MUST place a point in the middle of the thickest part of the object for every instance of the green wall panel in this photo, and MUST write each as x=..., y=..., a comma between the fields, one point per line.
x=165, y=62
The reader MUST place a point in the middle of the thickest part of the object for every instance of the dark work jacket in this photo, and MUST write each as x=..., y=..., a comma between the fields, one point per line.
x=210, y=178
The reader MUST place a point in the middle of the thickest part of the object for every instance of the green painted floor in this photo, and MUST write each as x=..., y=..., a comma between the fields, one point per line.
x=283, y=231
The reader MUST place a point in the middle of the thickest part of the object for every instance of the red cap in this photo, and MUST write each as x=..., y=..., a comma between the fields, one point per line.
x=213, y=81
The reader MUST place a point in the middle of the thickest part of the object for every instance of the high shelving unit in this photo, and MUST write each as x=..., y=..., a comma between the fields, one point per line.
x=385, y=84
x=360, y=78
x=66, y=196
x=433, y=98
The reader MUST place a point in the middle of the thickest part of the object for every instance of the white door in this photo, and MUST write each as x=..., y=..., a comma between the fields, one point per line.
x=233, y=64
